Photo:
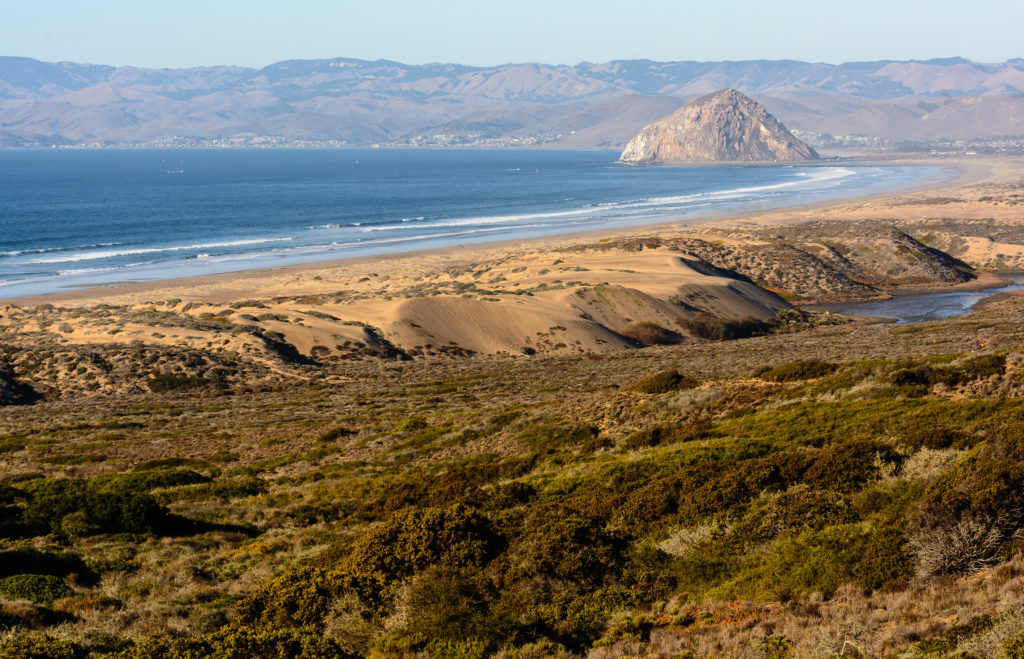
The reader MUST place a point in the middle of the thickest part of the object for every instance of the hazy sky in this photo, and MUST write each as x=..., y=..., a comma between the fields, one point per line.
x=177, y=33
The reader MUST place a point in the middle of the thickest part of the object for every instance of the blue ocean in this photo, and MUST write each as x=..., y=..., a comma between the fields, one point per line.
x=73, y=218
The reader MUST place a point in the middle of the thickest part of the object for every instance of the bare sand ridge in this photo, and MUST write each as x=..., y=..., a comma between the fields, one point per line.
x=582, y=293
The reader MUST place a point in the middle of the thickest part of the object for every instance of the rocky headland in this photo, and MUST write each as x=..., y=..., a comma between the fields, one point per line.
x=725, y=126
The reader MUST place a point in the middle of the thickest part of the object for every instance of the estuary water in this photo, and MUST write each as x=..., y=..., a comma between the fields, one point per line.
x=90, y=217
x=920, y=307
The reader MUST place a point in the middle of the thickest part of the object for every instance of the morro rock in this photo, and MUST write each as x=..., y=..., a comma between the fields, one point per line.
x=725, y=126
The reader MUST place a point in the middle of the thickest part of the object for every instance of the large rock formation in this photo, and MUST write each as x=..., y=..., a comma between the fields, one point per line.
x=722, y=127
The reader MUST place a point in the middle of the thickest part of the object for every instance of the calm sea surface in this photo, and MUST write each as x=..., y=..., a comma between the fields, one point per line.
x=87, y=217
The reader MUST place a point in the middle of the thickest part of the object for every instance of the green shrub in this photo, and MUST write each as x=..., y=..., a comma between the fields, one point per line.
x=776, y=646
x=51, y=499
x=111, y=503
x=562, y=544
x=553, y=436
x=335, y=433
x=809, y=423
x=164, y=382
x=151, y=479
x=450, y=604
x=946, y=645
x=37, y=588
x=812, y=561
x=669, y=433
x=460, y=648
x=40, y=646
x=888, y=501
x=116, y=506
x=651, y=334
x=374, y=566
x=223, y=489
x=663, y=382
x=411, y=424
x=74, y=459
x=953, y=375
x=971, y=511
x=413, y=540
x=234, y=642
x=9, y=495
x=937, y=438
x=886, y=559
x=463, y=483
x=651, y=503
x=723, y=329
x=33, y=561
x=1014, y=647
x=299, y=598
x=796, y=510
x=845, y=467
x=717, y=488
x=161, y=464
x=797, y=370
x=983, y=366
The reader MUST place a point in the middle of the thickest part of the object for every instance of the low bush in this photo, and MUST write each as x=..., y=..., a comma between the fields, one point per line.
x=161, y=464
x=37, y=588
x=108, y=503
x=374, y=566
x=413, y=540
x=794, y=510
x=223, y=489
x=335, y=433
x=723, y=329
x=41, y=646
x=651, y=334
x=33, y=561
x=446, y=605
x=968, y=514
x=164, y=382
x=1014, y=647
x=562, y=544
x=664, y=382
x=796, y=370
x=946, y=645
x=937, y=438
x=952, y=375
x=812, y=561
x=461, y=483
x=669, y=433
x=235, y=642
x=887, y=559
x=847, y=466
x=557, y=435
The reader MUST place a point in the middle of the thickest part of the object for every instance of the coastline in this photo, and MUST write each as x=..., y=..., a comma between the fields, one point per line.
x=248, y=282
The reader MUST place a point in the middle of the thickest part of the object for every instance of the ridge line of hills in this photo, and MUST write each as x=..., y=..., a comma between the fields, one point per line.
x=347, y=101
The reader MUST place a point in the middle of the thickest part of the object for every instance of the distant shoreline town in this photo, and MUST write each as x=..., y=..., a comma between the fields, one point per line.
x=939, y=106
x=831, y=144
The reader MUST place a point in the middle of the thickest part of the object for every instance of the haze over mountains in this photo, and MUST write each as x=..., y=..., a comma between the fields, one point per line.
x=356, y=102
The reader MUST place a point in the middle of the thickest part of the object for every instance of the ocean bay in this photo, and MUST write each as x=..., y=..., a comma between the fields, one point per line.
x=89, y=217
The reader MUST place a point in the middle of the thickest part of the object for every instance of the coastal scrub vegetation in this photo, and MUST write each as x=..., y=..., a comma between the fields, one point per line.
x=802, y=496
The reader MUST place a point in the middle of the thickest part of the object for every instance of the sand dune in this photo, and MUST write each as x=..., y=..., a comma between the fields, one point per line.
x=575, y=294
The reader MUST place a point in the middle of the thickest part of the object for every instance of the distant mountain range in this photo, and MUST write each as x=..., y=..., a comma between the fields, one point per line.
x=355, y=102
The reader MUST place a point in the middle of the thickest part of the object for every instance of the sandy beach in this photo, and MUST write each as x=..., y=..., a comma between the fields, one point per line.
x=586, y=292
x=282, y=280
